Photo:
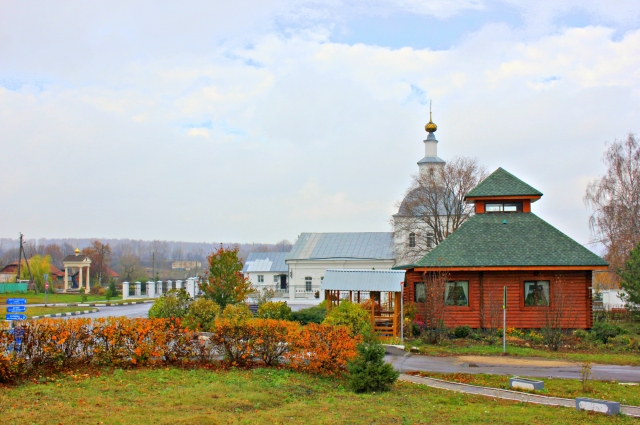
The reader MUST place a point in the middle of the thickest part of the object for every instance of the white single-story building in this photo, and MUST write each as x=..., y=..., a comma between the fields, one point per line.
x=314, y=253
x=267, y=270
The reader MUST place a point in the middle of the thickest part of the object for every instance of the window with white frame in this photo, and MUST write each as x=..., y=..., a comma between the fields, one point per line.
x=536, y=293
x=457, y=293
x=260, y=278
x=307, y=284
x=412, y=240
x=276, y=278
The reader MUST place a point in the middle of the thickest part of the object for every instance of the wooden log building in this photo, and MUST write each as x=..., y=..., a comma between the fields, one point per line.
x=548, y=275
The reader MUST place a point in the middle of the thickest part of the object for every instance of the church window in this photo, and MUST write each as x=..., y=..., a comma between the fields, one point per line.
x=260, y=278
x=412, y=240
x=504, y=207
x=307, y=284
x=431, y=173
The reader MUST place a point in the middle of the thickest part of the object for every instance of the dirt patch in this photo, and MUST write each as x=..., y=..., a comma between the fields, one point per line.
x=513, y=361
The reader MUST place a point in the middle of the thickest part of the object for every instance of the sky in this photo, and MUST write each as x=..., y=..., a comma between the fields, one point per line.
x=255, y=121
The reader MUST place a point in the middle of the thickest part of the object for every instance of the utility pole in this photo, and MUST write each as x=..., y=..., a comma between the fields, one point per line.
x=19, y=258
x=101, y=261
x=153, y=273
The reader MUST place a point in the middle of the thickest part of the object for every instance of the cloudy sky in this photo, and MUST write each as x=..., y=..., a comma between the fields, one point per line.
x=253, y=121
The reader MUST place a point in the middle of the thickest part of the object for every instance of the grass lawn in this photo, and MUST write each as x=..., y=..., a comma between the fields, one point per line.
x=41, y=311
x=566, y=388
x=473, y=348
x=176, y=396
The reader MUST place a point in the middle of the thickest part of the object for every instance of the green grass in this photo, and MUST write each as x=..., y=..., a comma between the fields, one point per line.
x=176, y=396
x=473, y=348
x=41, y=311
x=555, y=387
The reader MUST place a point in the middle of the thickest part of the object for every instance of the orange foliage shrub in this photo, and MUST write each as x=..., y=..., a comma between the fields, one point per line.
x=123, y=342
x=323, y=349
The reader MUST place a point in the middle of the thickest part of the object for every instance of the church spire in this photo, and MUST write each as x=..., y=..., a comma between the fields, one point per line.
x=431, y=126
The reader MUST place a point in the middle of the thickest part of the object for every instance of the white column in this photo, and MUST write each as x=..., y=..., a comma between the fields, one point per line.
x=169, y=285
x=178, y=284
x=86, y=291
x=79, y=277
x=292, y=289
x=159, y=287
x=66, y=279
x=191, y=287
x=125, y=290
x=151, y=289
x=138, y=289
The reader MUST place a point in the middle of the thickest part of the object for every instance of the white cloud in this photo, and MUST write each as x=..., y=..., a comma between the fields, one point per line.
x=265, y=135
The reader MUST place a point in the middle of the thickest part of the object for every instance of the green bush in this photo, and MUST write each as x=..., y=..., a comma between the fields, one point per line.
x=171, y=304
x=351, y=315
x=603, y=331
x=201, y=315
x=111, y=291
x=462, y=331
x=236, y=313
x=315, y=314
x=368, y=371
x=278, y=310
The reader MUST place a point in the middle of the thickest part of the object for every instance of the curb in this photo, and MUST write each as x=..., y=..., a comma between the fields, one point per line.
x=517, y=396
x=109, y=304
x=72, y=313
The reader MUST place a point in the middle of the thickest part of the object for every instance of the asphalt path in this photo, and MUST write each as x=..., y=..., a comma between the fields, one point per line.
x=512, y=366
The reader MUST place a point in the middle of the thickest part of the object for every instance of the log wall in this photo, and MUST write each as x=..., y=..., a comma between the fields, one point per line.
x=570, y=291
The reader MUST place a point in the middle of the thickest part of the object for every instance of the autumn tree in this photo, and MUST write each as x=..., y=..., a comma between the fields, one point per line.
x=224, y=283
x=39, y=266
x=100, y=255
x=434, y=207
x=615, y=201
x=630, y=278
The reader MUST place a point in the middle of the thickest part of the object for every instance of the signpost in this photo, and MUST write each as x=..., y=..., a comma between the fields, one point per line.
x=16, y=309
x=504, y=321
x=16, y=305
x=46, y=288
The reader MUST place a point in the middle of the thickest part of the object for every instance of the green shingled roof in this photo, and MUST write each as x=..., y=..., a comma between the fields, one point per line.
x=502, y=183
x=525, y=240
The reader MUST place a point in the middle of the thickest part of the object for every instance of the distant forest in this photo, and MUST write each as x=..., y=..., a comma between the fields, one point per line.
x=131, y=259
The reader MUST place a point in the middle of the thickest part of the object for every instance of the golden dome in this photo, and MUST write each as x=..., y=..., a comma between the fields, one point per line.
x=431, y=126
x=77, y=251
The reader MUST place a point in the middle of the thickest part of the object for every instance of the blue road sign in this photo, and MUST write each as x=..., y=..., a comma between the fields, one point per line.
x=16, y=317
x=16, y=301
x=16, y=309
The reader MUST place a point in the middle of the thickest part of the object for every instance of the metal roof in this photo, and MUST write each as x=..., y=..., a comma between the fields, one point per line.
x=265, y=262
x=363, y=280
x=431, y=159
x=349, y=246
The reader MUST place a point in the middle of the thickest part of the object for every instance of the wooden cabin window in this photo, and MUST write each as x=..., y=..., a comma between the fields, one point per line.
x=536, y=293
x=503, y=207
x=412, y=240
x=419, y=292
x=457, y=293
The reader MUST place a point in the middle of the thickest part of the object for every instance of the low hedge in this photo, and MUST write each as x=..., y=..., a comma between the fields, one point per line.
x=124, y=342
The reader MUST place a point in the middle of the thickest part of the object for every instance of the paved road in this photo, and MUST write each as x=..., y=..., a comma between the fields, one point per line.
x=406, y=362
x=131, y=311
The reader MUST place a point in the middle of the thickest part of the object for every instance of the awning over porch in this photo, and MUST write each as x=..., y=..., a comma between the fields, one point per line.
x=363, y=280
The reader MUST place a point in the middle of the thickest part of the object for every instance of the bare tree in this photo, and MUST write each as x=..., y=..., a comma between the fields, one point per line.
x=558, y=316
x=434, y=207
x=434, y=305
x=491, y=314
x=283, y=246
x=615, y=201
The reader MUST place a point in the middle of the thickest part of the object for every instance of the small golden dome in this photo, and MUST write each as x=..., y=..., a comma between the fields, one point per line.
x=77, y=251
x=431, y=126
